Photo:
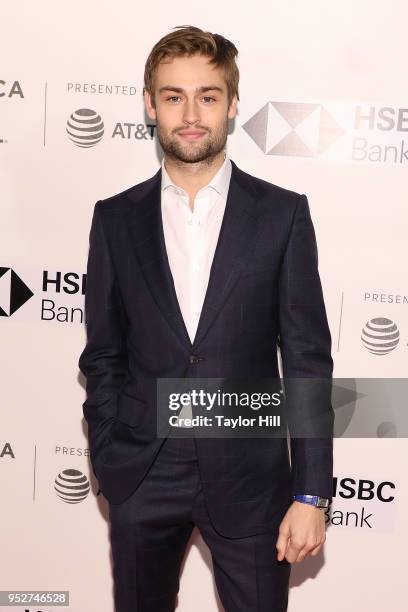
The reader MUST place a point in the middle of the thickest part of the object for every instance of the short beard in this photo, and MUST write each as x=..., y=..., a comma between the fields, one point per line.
x=207, y=152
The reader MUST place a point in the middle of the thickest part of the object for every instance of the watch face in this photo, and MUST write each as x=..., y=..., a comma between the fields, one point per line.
x=322, y=502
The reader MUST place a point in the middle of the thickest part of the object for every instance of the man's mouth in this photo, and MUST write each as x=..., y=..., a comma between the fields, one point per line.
x=191, y=134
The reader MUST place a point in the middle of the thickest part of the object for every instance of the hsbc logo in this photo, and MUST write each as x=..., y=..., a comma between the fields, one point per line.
x=13, y=292
x=334, y=131
x=293, y=128
x=363, y=503
x=57, y=296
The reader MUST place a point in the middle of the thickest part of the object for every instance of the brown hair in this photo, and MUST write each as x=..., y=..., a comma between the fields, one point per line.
x=189, y=40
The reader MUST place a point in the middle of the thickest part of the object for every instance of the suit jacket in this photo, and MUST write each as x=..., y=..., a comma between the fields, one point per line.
x=264, y=291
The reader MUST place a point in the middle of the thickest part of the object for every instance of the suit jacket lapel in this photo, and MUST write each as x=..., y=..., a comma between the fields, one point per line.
x=236, y=241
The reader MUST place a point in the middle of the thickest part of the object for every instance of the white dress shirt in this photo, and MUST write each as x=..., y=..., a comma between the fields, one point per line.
x=191, y=237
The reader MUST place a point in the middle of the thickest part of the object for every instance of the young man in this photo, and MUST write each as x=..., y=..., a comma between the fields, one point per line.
x=201, y=271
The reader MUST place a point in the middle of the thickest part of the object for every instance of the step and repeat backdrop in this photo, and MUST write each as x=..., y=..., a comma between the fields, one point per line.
x=323, y=111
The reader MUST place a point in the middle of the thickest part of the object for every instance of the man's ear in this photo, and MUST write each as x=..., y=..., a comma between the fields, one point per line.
x=148, y=100
x=232, y=110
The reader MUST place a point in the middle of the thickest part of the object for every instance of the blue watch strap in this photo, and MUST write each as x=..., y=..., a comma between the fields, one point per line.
x=314, y=500
x=307, y=499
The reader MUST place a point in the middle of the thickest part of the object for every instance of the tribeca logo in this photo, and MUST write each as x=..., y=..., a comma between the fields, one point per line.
x=380, y=336
x=8, y=91
x=85, y=128
x=72, y=486
x=293, y=129
x=13, y=292
x=6, y=451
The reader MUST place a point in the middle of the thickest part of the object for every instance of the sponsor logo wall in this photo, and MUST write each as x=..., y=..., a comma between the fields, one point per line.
x=73, y=130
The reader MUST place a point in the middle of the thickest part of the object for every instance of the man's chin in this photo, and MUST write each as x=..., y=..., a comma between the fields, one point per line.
x=194, y=160
x=190, y=157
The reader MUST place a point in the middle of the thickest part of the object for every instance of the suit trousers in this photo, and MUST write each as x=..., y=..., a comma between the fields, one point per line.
x=150, y=530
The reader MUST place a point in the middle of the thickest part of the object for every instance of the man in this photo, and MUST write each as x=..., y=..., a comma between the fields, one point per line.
x=201, y=271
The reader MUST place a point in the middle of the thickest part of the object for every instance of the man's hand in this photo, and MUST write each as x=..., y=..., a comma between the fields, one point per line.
x=302, y=531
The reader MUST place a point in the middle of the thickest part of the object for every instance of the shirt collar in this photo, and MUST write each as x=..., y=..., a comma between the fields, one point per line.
x=220, y=182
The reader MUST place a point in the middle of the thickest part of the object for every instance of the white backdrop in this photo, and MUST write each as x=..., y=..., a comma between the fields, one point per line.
x=323, y=92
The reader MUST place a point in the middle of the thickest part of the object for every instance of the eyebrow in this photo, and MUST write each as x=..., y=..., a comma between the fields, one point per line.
x=201, y=89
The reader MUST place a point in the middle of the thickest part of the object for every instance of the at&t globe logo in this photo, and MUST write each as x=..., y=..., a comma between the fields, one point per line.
x=380, y=336
x=72, y=486
x=85, y=128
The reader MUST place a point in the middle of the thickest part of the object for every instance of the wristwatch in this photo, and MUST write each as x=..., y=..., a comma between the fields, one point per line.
x=314, y=500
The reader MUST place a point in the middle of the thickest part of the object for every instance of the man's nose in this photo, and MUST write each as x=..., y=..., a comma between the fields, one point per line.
x=191, y=112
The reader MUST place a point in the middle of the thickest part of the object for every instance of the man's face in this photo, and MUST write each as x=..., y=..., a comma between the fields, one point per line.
x=191, y=110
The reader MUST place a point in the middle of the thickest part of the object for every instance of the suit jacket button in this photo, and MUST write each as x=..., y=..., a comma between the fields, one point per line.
x=195, y=359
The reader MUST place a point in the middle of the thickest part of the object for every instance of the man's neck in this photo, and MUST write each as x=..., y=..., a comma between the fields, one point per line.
x=192, y=177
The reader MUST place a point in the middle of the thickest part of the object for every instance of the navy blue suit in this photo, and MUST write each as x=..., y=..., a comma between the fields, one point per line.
x=264, y=290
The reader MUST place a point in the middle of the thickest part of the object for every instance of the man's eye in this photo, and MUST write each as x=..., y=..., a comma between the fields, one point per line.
x=172, y=98
x=208, y=98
